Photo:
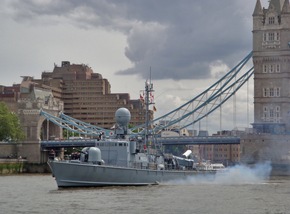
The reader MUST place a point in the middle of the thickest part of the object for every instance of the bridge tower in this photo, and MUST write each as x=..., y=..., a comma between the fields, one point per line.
x=271, y=58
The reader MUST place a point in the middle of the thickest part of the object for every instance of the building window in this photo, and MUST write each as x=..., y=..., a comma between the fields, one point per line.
x=271, y=68
x=271, y=37
x=277, y=36
x=265, y=37
x=277, y=68
x=277, y=92
x=271, y=92
x=271, y=20
x=271, y=114
x=265, y=69
x=265, y=92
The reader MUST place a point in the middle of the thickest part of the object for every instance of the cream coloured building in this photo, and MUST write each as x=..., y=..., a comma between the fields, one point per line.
x=271, y=58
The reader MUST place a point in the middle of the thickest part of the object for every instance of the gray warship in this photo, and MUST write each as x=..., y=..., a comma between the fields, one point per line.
x=124, y=160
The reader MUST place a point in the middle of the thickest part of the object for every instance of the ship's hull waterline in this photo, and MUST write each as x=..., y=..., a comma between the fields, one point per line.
x=71, y=174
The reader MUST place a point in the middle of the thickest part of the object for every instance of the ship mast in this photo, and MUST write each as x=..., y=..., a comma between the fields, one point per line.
x=148, y=101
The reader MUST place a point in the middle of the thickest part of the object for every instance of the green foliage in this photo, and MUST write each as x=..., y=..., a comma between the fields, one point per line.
x=132, y=126
x=66, y=134
x=10, y=129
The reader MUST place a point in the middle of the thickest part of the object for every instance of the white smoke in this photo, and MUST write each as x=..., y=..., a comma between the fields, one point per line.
x=239, y=174
x=242, y=174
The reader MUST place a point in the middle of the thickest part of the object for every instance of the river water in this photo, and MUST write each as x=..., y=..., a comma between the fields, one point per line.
x=39, y=194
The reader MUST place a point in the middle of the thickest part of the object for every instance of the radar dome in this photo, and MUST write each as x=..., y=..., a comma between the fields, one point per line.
x=123, y=116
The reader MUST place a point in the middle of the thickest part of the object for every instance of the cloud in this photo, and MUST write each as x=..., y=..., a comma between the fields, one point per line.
x=187, y=44
x=177, y=39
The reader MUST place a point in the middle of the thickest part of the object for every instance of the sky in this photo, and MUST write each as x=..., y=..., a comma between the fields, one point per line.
x=187, y=45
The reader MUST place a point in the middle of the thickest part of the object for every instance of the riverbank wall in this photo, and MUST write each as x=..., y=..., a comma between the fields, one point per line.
x=16, y=166
x=11, y=166
x=23, y=157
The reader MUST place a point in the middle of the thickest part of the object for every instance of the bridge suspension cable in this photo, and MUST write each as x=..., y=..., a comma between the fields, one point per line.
x=206, y=102
x=74, y=125
x=187, y=114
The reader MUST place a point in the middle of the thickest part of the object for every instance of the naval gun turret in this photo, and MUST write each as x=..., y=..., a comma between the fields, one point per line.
x=122, y=117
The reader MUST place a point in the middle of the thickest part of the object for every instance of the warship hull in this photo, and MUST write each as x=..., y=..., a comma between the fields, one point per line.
x=74, y=174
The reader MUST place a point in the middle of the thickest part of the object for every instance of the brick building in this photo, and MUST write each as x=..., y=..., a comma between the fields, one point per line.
x=87, y=95
x=227, y=154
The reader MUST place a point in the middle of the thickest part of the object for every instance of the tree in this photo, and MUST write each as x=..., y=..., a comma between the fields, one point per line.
x=10, y=129
x=66, y=134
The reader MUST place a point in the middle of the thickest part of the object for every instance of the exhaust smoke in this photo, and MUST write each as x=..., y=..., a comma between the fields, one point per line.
x=240, y=174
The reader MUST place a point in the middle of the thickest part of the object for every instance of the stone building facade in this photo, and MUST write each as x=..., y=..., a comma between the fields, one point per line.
x=27, y=99
x=271, y=58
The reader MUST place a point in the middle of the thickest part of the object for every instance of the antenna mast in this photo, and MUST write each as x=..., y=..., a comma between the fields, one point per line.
x=148, y=101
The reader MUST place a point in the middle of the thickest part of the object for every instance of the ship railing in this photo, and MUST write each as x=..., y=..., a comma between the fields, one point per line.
x=154, y=166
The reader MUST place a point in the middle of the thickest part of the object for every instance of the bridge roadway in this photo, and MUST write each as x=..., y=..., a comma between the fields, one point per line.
x=182, y=140
x=197, y=140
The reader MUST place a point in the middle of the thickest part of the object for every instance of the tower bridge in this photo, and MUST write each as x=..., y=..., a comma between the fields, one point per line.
x=181, y=140
x=271, y=67
x=197, y=140
x=192, y=112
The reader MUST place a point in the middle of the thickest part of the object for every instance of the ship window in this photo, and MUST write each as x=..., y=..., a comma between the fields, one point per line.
x=120, y=144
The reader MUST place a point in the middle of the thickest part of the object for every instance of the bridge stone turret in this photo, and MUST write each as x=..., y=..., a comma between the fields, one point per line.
x=36, y=127
x=27, y=102
x=271, y=59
